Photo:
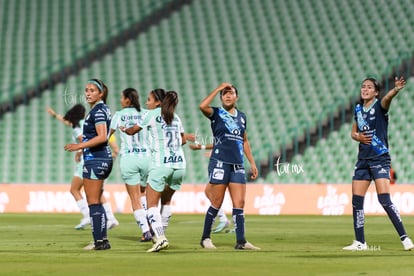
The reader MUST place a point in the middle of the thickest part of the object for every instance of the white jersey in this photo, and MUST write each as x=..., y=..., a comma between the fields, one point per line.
x=77, y=131
x=165, y=140
x=131, y=144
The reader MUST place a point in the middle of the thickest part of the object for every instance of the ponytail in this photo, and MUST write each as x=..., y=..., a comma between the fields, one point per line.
x=168, y=106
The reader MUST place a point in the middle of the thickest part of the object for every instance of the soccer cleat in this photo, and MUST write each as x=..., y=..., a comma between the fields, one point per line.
x=112, y=223
x=162, y=243
x=207, y=244
x=408, y=244
x=246, y=246
x=221, y=226
x=146, y=237
x=83, y=223
x=90, y=246
x=102, y=245
x=98, y=245
x=356, y=246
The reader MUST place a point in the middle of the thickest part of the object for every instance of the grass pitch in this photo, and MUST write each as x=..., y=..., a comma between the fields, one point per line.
x=47, y=244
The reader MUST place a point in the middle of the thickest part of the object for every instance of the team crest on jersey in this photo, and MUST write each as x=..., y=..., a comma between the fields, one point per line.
x=236, y=131
x=372, y=111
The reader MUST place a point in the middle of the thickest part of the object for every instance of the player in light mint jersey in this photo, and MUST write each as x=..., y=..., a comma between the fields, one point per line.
x=166, y=141
x=168, y=161
x=77, y=138
x=135, y=155
x=74, y=118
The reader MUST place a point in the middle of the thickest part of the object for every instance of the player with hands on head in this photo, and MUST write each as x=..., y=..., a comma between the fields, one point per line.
x=226, y=167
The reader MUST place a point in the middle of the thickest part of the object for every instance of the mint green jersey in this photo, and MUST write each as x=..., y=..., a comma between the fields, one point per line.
x=136, y=144
x=165, y=140
x=77, y=131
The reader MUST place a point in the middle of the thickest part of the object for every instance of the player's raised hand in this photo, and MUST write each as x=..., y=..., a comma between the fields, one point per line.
x=399, y=83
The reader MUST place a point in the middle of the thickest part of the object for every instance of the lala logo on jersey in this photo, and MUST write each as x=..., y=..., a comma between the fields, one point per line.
x=173, y=158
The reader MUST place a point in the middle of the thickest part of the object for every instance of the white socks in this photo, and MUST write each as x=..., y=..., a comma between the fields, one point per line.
x=83, y=208
x=141, y=219
x=165, y=215
x=108, y=211
x=144, y=202
x=155, y=220
x=222, y=216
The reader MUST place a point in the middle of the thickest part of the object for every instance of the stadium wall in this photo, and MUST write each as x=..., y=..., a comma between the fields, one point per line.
x=263, y=199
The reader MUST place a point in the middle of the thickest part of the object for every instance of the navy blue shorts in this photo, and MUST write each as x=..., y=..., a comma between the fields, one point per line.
x=97, y=168
x=224, y=173
x=371, y=169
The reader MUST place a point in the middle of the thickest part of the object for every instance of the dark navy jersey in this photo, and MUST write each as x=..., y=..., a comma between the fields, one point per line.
x=372, y=121
x=99, y=114
x=228, y=131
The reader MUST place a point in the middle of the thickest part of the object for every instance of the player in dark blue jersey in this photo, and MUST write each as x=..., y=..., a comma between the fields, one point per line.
x=97, y=158
x=370, y=129
x=226, y=166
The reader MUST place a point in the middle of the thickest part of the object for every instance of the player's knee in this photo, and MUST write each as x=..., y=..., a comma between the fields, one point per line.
x=357, y=202
x=384, y=200
x=238, y=204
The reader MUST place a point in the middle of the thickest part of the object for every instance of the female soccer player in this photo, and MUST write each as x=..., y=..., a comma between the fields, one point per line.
x=370, y=129
x=74, y=118
x=168, y=162
x=97, y=158
x=226, y=166
x=135, y=155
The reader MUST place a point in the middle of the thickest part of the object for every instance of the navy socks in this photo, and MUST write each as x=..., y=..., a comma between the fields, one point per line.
x=359, y=217
x=390, y=209
x=98, y=221
x=238, y=219
x=393, y=214
x=208, y=222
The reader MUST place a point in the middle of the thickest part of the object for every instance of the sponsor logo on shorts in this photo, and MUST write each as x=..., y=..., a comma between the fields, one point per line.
x=382, y=171
x=218, y=174
x=240, y=171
